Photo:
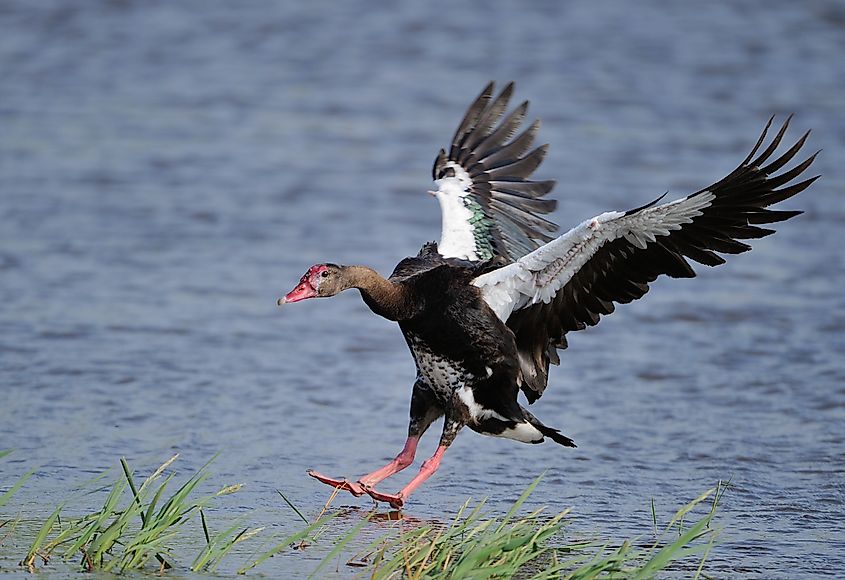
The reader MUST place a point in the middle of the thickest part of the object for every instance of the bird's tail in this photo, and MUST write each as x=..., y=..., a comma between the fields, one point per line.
x=554, y=434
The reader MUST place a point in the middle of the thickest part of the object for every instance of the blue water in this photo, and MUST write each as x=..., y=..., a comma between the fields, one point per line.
x=167, y=169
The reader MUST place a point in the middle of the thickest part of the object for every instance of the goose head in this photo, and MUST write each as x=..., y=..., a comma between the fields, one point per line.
x=320, y=281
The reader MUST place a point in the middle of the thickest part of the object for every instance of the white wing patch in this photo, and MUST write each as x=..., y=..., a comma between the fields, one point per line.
x=538, y=276
x=456, y=239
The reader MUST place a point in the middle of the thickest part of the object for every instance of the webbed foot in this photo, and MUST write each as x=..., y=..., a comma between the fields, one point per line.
x=395, y=500
x=352, y=487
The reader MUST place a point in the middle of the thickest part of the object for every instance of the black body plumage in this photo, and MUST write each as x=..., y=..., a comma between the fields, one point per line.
x=458, y=343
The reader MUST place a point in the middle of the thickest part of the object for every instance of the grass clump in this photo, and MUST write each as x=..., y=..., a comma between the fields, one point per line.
x=137, y=525
x=471, y=546
x=134, y=526
x=531, y=546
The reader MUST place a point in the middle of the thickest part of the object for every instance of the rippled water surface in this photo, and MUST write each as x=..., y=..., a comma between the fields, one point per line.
x=167, y=169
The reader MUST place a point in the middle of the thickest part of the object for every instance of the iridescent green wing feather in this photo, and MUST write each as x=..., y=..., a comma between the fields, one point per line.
x=490, y=206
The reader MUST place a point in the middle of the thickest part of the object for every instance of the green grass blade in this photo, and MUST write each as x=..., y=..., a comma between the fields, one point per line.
x=518, y=503
x=29, y=560
x=128, y=473
x=293, y=507
x=71, y=531
x=339, y=545
x=285, y=543
x=704, y=557
x=212, y=546
x=204, y=527
x=241, y=537
x=100, y=520
x=15, y=487
x=154, y=502
x=676, y=550
x=653, y=516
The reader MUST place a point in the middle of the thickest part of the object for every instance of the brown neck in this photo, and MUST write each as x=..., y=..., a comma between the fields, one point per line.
x=382, y=296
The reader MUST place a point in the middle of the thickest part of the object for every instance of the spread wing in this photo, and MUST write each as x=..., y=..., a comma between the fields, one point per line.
x=569, y=283
x=490, y=208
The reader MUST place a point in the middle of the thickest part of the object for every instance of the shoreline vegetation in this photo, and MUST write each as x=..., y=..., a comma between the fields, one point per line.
x=138, y=526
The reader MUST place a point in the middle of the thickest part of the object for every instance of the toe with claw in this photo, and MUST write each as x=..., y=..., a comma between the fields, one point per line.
x=395, y=500
x=354, y=488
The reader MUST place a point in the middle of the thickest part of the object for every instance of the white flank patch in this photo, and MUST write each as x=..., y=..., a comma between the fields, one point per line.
x=524, y=432
x=456, y=239
x=476, y=411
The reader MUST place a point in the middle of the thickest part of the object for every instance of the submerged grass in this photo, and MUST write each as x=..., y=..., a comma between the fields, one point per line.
x=136, y=527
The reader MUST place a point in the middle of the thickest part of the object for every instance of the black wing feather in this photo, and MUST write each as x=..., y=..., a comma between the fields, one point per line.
x=621, y=272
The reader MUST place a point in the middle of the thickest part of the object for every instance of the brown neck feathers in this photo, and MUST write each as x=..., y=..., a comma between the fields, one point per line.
x=382, y=296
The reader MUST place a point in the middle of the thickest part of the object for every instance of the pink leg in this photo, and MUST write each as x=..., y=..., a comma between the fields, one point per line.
x=403, y=460
x=400, y=462
x=428, y=468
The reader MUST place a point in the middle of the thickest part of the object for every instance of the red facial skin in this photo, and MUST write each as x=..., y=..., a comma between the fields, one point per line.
x=307, y=287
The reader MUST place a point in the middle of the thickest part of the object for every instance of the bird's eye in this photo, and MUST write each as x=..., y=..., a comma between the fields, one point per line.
x=325, y=273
